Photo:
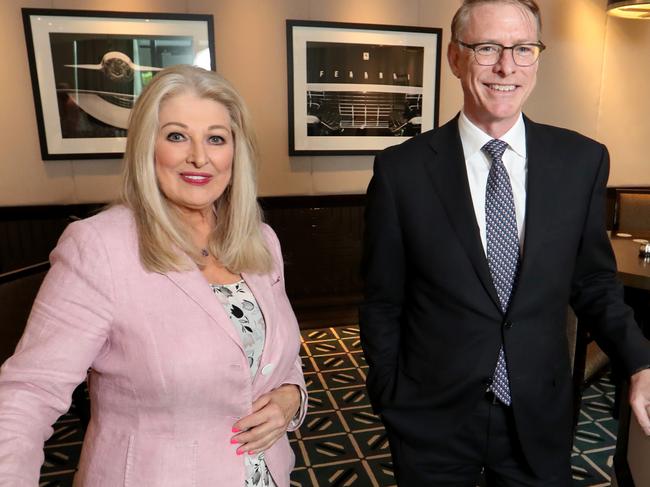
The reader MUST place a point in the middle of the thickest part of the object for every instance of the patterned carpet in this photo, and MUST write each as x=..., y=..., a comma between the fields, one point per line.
x=342, y=443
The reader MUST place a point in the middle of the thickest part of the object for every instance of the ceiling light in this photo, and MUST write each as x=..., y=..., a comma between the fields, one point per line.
x=629, y=9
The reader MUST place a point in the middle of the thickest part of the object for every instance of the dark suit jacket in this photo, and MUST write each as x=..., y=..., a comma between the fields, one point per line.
x=431, y=325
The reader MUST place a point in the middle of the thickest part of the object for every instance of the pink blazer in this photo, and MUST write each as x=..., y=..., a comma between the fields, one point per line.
x=169, y=375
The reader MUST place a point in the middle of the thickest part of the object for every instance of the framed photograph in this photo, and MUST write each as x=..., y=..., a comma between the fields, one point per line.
x=359, y=88
x=88, y=68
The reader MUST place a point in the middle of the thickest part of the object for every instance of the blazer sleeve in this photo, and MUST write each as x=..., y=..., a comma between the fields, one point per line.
x=295, y=375
x=383, y=270
x=597, y=295
x=66, y=330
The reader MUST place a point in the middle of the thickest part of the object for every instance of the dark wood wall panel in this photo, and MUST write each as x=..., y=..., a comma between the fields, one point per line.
x=17, y=292
x=321, y=243
x=320, y=236
x=321, y=247
x=29, y=233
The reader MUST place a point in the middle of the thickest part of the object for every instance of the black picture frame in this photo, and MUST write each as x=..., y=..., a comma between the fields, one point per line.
x=359, y=88
x=87, y=68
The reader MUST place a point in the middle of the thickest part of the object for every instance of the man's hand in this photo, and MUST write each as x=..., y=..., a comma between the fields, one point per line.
x=272, y=413
x=640, y=398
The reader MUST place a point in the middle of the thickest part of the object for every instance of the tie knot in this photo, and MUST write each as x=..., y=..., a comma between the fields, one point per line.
x=495, y=148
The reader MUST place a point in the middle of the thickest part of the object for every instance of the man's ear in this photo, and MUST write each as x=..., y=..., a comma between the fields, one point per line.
x=453, y=57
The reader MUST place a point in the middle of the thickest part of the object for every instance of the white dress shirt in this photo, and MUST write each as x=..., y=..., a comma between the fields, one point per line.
x=478, y=165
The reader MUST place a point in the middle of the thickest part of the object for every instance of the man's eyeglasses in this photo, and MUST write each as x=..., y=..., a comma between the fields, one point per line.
x=489, y=53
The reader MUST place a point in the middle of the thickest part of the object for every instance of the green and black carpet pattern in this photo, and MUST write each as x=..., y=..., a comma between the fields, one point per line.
x=342, y=443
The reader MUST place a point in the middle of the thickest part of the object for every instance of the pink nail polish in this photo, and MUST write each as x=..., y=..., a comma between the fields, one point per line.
x=233, y=441
x=251, y=452
x=235, y=430
x=240, y=451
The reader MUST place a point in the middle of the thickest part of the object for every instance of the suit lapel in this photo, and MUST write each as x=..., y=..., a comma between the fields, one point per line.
x=195, y=286
x=448, y=173
x=542, y=177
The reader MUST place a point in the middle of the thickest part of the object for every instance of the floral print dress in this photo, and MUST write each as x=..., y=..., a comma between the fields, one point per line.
x=245, y=314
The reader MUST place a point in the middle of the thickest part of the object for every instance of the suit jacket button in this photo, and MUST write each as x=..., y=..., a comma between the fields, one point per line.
x=507, y=325
x=267, y=369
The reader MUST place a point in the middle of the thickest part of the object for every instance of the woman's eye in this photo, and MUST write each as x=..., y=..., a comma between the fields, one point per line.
x=216, y=139
x=175, y=137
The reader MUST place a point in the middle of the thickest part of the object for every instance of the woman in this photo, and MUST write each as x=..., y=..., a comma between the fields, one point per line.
x=175, y=300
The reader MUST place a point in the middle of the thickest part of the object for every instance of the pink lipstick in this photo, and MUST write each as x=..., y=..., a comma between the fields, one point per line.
x=196, y=178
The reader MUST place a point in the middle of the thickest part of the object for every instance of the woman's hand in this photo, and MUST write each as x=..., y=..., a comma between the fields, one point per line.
x=272, y=413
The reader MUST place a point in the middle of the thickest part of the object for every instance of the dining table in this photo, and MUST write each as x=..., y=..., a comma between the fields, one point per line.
x=633, y=269
x=632, y=448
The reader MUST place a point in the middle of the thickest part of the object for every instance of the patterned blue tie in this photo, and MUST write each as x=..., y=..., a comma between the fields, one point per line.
x=502, y=248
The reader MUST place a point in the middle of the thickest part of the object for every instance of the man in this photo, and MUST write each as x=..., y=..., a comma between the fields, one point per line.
x=479, y=235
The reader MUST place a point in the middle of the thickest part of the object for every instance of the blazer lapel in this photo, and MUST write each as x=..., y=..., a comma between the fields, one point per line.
x=260, y=286
x=449, y=176
x=195, y=286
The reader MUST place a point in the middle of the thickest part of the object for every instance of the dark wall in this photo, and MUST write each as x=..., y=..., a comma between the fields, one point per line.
x=17, y=292
x=29, y=233
x=320, y=235
x=321, y=243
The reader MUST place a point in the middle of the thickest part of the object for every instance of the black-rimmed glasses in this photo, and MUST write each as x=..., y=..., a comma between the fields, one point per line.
x=489, y=53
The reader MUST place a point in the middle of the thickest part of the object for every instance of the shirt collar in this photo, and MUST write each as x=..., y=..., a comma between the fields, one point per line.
x=473, y=138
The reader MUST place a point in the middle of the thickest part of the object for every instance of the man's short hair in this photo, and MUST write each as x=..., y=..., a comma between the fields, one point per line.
x=462, y=14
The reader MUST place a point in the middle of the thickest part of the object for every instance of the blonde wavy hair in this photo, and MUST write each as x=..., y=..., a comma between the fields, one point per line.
x=164, y=237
